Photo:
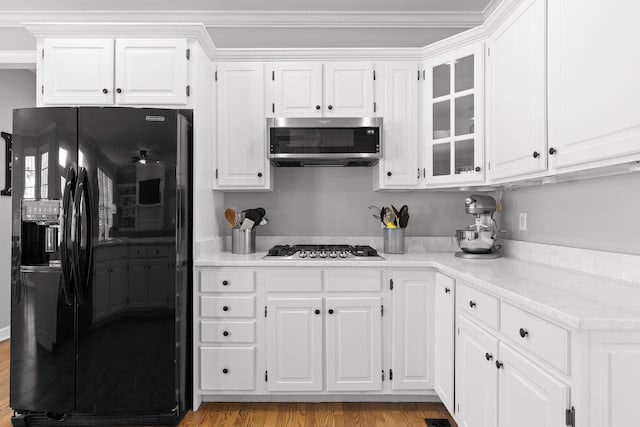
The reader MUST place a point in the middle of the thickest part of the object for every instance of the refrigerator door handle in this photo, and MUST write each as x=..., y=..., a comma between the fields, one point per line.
x=8, y=157
x=82, y=266
x=66, y=260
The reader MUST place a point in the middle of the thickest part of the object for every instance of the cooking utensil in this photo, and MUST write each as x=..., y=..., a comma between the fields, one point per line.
x=263, y=221
x=247, y=224
x=253, y=215
x=230, y=216
x=403, y=219
x=396, y=215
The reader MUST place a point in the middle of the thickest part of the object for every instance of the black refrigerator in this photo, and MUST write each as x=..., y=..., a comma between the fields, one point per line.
x=101, y=266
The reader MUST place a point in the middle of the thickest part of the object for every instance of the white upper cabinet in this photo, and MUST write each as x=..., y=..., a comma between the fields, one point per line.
x=151, y=71
x=81, y=72
x=77, y=71
x=348, y=89
x=316, y=89
x=399, y=109
x=593, y=82
x=297, y=89
x=516, y=88
x=242, y=160
x=453, y=117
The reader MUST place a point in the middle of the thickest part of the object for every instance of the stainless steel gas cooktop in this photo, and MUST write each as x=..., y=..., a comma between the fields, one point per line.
x=323, y=252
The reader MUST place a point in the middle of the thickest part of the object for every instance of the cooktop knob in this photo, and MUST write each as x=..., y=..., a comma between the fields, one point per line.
x=313, y=254
x=302, y=254
x=333, y=254
x=344, y=254
x=323, y=254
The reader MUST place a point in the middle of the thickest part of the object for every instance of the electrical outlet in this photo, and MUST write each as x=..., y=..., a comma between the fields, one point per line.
x=522, y=225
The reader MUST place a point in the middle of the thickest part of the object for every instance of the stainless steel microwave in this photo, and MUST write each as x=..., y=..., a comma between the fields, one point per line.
x=339, y=141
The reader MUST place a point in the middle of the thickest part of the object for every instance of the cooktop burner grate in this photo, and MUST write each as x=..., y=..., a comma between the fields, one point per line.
x=321, y=251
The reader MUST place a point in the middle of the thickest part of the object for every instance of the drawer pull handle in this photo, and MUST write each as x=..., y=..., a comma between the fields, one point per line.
x=524, y=333
x=225, y=371
x=317, y=311
x=499, y=364
x=225, y=308
x=225, y=333
x=225, y=282
x=488, y=356
x=472, y=304
x=447, y=290
x=331, y=311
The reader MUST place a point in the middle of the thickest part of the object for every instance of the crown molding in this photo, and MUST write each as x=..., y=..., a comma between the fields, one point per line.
x=18, y=59
x=124, y=30
x=257, y=19
x=319, y=54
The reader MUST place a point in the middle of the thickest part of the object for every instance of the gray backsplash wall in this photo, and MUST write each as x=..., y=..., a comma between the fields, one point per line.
x=600, y=214
x=333, y=202
x=17, y=90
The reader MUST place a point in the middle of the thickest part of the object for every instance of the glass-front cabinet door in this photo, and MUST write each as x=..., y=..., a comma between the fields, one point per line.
x=453, y=117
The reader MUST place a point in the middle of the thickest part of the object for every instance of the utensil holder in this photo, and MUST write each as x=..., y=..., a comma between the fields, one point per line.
x=393, y=240
x=243, y=241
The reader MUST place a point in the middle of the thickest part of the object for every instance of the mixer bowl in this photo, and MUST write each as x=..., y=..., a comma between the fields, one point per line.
x=476, y=242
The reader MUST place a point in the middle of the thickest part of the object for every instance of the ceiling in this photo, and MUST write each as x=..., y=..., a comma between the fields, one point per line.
x=285, y=24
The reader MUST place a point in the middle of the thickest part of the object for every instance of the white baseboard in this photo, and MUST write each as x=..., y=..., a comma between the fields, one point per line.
x=5, y=333
x=316, y=398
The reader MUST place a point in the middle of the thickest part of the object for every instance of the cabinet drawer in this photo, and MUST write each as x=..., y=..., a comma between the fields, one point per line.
x=160, y=251
x=228, y=368
x=361, y=280
x=544, y=339
x=478, y=305
x=227, y=280
x=294, y=280
x=137, y=251
x=227, y=306
x=228, y=332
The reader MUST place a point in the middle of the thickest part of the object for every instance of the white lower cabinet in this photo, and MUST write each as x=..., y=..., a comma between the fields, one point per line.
x=294, y=344
x=476, y=378
x=528, y=396
x=354, y=344
x=228, y=368
x=498, y=385
x=444, y=339
x=412, y=361
x=348, y=313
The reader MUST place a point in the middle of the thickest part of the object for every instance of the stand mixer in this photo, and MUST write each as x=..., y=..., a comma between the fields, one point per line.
x=478, y=239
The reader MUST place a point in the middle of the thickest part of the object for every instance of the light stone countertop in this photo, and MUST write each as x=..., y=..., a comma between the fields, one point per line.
x=568, y=297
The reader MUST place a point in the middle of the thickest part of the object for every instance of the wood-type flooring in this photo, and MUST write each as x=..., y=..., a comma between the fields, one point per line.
x=277, y=414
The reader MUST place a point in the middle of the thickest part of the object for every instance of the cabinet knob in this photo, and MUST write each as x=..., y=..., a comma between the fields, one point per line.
x=317, y=107
x=331, y=311
x=225, y=333
x=330, y=107
x=447, y=290
x=259, y=174
x=389, y=174
x=488, y=356
x=225, y=308
x=317, y=311
x=536, y=154
x=499, y=364
x=478, y=169
x=105, y=90
x=118, y=90
x=524, y=333
x=472, y=304
x=552, y=151
x=225, y=371
x=225, y=282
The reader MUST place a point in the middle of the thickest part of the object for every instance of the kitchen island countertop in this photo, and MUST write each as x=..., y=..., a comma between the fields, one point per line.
x=568, y=297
